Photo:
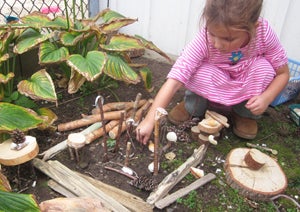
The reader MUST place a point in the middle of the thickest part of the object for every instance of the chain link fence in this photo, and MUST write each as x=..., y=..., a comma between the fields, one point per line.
x=12, y=9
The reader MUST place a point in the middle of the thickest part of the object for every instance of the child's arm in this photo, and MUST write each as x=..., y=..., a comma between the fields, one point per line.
x=162, y=99
x=258, y=104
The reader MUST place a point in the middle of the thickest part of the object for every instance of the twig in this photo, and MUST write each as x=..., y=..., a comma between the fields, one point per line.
x=120, y=172
x=116, y=149
x=128, y=146
x=100, y=105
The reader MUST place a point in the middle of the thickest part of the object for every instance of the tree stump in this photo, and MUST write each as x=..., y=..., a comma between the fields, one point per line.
x=254, y=174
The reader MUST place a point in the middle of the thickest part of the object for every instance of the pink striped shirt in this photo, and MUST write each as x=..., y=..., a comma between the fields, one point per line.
x=230, y=78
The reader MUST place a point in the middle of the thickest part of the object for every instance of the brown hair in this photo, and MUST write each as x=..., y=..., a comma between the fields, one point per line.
x=239, y=14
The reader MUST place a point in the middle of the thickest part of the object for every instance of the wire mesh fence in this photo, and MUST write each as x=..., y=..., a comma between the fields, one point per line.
x=13, y=9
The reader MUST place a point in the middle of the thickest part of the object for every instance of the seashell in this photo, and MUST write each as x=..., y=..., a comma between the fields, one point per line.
x=212, y=140
x=170, y=156
x=151, y=146
x=151, y=167
x=171, y=136
x=127, y=170
x=198, y=173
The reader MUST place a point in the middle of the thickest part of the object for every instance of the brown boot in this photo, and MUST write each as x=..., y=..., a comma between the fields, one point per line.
x=178, y=114
x=244, y=127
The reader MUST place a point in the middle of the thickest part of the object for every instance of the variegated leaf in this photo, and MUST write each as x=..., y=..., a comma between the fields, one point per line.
x=39, y=86
x=121, y=42
x=30, y=39
x=117, y=69
x=14, y=116
x=90, y=66
x=48, y=53
x=5, y=78
x=75, y=82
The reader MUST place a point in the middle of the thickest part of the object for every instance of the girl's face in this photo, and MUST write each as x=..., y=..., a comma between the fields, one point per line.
x=227, y=39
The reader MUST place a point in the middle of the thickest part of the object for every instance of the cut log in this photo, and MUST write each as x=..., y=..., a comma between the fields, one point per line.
x=51, y=152
x=257, y=184
x=11, y=157
x=100, y=132
x=173, y=178
x=73, y=204
x=88, y=120
x=76, y=184
x=184, y=191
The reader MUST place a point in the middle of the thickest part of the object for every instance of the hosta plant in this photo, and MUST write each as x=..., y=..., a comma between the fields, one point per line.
x=85, y=50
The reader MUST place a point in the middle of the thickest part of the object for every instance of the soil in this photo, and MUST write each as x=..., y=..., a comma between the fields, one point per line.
x=71, y=107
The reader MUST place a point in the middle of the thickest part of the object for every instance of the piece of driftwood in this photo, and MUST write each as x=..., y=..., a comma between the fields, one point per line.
x=73, y=204
x=259, y=177
x=173, y=178
x=51, y=152
x=184, y=191
x=60, y=189
x=76, y=184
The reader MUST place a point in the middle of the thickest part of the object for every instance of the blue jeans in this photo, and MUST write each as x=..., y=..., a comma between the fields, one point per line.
x=197, y=106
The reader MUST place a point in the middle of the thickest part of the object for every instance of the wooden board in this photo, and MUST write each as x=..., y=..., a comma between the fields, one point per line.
x=260, y=184
x=10, y=157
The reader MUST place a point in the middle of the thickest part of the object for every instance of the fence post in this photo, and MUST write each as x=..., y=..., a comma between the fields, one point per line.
x=93, y=6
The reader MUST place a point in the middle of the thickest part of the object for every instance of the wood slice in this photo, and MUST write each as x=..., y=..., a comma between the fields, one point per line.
x=11, y=157
x=260, y=184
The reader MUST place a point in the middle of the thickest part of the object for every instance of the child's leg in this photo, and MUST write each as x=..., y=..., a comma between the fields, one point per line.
x=194, y=104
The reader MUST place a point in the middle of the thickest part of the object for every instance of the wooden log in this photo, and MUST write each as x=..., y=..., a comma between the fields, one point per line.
x=99, y=132
x=88, y=120
x=173, y=178
x=259, y=184
x=118, y=106
x=51, y=152
x=184, y=191
x=76, y=184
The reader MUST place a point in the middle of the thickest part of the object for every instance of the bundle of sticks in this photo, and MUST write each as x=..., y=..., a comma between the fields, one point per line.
x=113, y=121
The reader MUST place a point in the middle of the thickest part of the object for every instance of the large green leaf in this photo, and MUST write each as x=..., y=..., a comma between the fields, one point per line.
x=150, y=45
x=48, y=53
x=108, y=15
x=115, y=25
x=90, y=66
x=14, y=116
x=117, y=69
x=29, y=39
x=36, y=20
x=14, y=202
x=75, y=82
x=39, y=86
x=121, y=42
x=71, y=38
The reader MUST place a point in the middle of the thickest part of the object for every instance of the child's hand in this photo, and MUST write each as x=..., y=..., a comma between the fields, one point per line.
x=143, y=131
x=257, y=105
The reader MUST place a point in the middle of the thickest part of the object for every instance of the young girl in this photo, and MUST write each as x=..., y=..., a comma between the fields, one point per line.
x=236, y=61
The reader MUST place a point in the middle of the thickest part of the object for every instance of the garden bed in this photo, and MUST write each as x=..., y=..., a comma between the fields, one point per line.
x=276, y=130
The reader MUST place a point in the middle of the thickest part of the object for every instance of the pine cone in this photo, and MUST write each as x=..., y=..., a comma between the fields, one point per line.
x=144, y=183
x=17, y=136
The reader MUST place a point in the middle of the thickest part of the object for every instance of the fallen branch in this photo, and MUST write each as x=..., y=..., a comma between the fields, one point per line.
x=173, y=178
x=100, y=132
x=184, y=191
x=118, y=106
x=87, y=120
x=51, y=152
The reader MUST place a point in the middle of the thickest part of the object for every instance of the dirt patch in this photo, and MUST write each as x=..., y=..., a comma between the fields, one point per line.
x=91, y=163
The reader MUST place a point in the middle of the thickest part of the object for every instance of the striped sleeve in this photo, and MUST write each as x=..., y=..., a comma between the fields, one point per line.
x=190, y=59
x=273, y=50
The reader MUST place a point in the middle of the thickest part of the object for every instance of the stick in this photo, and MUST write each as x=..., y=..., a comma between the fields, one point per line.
x=99, y=132
x=87, y=120
x=184, y=191
x=100, y=105
x=128, y=146
x=173, y=178
x=120, y=126
x=120, y=172
x=118, y=106
x=160, y=112
x=51, y=152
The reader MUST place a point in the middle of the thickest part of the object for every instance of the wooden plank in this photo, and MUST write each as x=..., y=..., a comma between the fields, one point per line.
x=173, y=178
x=132, y=202
x=184, y=191
x=60, y=189
x=75, y=183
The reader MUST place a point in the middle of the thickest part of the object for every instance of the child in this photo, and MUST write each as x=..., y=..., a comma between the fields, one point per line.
x=236, y=61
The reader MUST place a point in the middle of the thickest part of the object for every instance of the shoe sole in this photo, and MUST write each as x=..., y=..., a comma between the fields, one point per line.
x=243, y=135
